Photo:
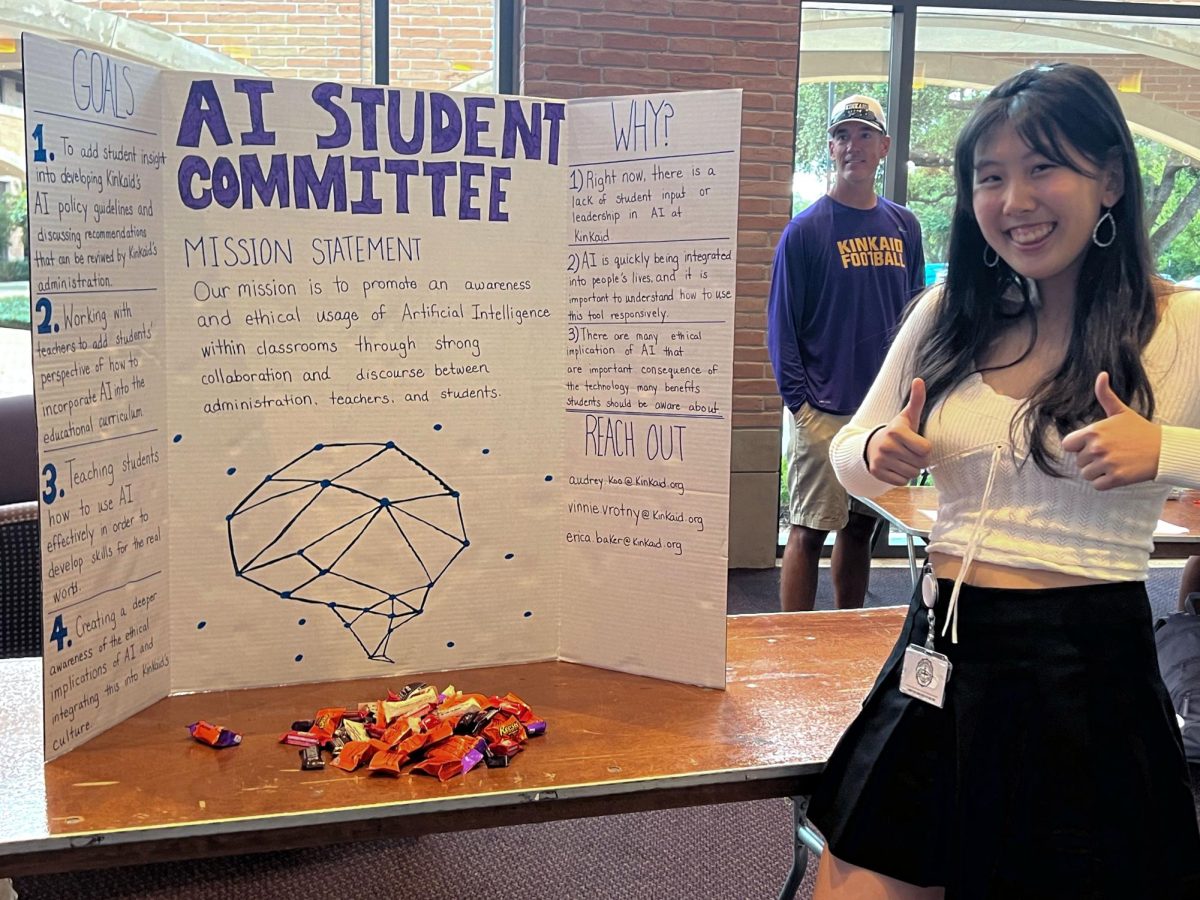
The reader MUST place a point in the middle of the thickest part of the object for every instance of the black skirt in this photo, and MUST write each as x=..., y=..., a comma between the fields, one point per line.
x=1055, y=768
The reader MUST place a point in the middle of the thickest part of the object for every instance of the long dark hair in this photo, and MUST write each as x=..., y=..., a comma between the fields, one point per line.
x=1064, y=112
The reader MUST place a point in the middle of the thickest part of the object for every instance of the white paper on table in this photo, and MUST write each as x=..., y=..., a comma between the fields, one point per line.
x=1168, y=528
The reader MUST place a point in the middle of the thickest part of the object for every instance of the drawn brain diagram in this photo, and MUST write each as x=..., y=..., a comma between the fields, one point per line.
x=363, y=529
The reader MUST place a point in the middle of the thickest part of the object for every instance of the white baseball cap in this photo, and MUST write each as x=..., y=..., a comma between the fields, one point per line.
x=858, y=108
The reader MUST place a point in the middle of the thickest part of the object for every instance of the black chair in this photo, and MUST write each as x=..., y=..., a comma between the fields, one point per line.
x=20, y=556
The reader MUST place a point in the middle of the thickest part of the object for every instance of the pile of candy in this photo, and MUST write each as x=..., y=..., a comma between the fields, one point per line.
x=445, y=733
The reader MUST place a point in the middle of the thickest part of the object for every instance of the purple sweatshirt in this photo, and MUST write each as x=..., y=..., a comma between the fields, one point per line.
x=842, y=276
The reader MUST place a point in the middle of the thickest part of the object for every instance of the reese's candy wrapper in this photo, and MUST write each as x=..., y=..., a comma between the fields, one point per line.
x=388, y=762
x=454, y=756
x=504, y=727
x=310, y=758
x=439, y=732
x=326, y=721
x=354, y=754
x=396, y=732
x=214, y=735
x=511, y=703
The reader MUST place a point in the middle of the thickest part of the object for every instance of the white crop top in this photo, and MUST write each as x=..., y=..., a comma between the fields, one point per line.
x=1035, y=521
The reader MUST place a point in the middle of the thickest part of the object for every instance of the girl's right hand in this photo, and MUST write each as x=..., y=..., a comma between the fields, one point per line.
x=897, y=452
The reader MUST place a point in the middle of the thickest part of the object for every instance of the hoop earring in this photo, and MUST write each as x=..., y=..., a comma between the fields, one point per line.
x=994, y=261
x=1096, y=230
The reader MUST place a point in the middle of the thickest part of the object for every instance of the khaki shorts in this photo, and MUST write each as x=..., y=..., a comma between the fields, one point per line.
x=817, y=498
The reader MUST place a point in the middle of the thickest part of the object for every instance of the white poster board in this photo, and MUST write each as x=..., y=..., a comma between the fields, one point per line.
x=340, y=381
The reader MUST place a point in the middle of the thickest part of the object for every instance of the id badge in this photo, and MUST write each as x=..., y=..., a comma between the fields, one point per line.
x=924, y=675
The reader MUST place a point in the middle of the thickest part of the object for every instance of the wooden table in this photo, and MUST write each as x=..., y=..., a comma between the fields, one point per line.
x=902, y=507
x=144, y=791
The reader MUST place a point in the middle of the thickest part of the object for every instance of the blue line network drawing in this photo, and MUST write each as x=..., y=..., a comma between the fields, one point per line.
x=360, y=528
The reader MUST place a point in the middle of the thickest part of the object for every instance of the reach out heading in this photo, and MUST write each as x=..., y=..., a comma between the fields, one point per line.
x=401, y=135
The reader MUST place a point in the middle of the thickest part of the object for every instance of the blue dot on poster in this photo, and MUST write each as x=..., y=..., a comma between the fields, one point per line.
x=299, y=656
x=200, y=625
x=549, y=477
x=528, y=613
x=437, y=427
x=177, y=438
x=230, y=470
x=302, y=621
x=449, y=643
x=486, y=451
x=509, y=555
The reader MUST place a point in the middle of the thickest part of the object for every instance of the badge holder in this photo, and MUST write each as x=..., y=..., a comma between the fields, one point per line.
x=925, y=671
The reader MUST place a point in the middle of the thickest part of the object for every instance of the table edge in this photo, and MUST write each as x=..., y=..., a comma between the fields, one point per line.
x=89, y=849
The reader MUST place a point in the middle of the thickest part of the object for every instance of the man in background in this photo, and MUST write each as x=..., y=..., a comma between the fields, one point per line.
x=844, y=270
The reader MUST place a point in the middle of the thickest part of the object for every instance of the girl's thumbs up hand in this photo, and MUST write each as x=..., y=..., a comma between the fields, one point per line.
x=1120, y=449
x=897, y=452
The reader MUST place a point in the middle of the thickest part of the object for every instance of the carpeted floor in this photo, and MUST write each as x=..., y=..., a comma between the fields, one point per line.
x=737, y=851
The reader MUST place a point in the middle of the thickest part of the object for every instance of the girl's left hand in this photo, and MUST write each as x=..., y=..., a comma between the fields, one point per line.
x=1120, y=449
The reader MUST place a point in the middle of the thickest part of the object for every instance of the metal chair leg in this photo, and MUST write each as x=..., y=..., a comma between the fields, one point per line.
x=806, y=840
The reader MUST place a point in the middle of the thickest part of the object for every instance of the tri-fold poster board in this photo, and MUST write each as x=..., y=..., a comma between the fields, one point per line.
x=338, y=381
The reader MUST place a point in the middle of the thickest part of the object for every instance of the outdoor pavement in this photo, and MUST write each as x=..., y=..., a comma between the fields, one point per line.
x=16, y=362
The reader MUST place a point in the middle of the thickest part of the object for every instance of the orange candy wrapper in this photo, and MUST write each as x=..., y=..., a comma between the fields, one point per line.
x=214, y=735
x=326, y=721
x=456, y=756
x=354, y=754
x=447, y=734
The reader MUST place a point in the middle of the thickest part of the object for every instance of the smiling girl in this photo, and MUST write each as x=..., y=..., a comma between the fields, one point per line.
x=1019, y=741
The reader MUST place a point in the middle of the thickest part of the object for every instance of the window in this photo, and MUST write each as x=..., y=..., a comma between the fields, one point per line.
x=431, y=45
x=957, y=56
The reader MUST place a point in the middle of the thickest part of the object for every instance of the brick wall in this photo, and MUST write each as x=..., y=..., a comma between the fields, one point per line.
x=440, y=43
x=435, y=43
x=1166, y=83
x=294, y=39
x=578, y=48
